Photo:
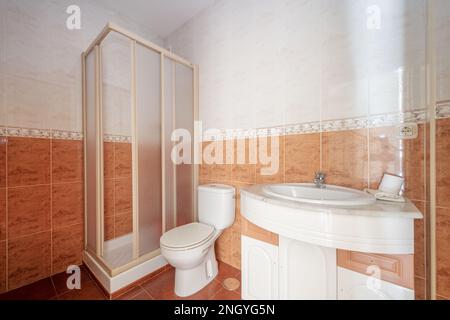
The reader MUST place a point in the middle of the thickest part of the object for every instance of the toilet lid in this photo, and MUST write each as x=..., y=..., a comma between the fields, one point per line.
x=187, y=236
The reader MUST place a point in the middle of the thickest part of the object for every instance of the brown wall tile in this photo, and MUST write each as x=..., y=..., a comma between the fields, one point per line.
x=109, y=227
x=442, y=252
x=2, y=266
x=413, y=166
x=67, y=247
x=419, y=288
x=2, y=214
x=123, y=196
x=108, y=197
x=243, y=170
x=67, y=161
x=28, y=259
x=123, y=158
x=28, y=161
x=277, y=177
x=345, y=158
x=28, y=210
x=67, y=204
x=385, y=154
x=302, y=158
x=419, y=243
x=443, y=163
x=123, y=224
x=3, y=162
x=108, y=160
x=223, y=246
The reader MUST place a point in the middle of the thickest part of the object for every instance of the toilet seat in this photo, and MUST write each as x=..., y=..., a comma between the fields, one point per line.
x=188, y=236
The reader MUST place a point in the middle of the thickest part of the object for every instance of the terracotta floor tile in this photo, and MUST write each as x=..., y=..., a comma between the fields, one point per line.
x=224, y=294
x=162, y=286
x=60, y=280
x=40, y=290
x=227, y=271
x=130, y=293
x=137, y=293
x=207, y=292
x=89, y=291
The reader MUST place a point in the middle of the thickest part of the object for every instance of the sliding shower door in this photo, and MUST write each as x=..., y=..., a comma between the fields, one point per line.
x=148, y=137
x=91, y=143
x=178, y=115
x=117, y=127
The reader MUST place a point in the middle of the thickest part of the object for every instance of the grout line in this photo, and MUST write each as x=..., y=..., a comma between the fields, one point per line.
x=54, y=287
x=31, y=234
x=51, y=207
x=31, y=186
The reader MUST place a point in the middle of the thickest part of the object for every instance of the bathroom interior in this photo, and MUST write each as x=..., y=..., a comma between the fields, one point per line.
x=225, y=150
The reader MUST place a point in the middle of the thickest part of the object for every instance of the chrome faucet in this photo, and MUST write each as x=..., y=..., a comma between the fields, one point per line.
x=319, y=179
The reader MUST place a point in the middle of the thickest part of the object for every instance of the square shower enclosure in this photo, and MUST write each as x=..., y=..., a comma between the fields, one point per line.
x=135, y=94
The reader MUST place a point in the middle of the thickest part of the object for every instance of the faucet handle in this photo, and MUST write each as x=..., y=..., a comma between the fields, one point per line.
x=320, y=175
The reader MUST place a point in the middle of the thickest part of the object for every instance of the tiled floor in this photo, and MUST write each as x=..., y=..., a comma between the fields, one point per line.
x=159, y=287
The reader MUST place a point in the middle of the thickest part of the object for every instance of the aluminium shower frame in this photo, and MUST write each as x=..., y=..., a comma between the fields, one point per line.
x=95, y=46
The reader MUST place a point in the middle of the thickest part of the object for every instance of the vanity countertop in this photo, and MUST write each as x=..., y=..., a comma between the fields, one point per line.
x=380, y=208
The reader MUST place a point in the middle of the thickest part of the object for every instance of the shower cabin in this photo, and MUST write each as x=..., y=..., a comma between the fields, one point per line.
x=135, y=94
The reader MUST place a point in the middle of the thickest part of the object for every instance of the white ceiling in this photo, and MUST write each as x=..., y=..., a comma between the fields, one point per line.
x=161, y=16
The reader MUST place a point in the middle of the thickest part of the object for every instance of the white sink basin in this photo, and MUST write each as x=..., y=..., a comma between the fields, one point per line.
x=335, y=217
x=309, y=193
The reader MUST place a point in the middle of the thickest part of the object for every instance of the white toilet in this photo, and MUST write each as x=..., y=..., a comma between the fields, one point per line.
x=190, y=248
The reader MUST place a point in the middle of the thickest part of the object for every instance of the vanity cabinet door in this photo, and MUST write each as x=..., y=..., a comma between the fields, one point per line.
x=259, y=270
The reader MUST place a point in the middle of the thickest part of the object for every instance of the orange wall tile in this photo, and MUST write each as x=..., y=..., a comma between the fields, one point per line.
x=67, y=204
x=280, y=175
x=122, y=160
x=402, y=157
x=108, y=160
x=28, y=259
x=3, y=162
x=2, y=214
x=67, y=247
x=345, y=158
x=302, y=158
x=28, y=161
x=44, y=193
x=118, y=220
x=443, y=163
x=67, y=161
x=28, y=210
x=3, y=266
x=442, y=252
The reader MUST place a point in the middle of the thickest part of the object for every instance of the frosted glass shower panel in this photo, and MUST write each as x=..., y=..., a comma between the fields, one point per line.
x=91, y=147
x=184, y=119
x=148, y=135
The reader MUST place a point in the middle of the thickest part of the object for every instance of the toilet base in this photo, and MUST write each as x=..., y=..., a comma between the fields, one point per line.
x=190, y=281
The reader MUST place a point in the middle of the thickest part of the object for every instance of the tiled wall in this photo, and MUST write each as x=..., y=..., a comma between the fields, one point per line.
x=278, y=62
x=117, y=189
x=352, y=158
x=443, y=208
x=41, y=208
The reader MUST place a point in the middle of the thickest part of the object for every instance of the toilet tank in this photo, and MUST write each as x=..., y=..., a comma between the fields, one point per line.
x=216, y=205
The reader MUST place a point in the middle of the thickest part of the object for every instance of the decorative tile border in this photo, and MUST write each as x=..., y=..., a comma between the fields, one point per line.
x=55, y=134
x=374, y=121
x=117, y=138
x=443, y=110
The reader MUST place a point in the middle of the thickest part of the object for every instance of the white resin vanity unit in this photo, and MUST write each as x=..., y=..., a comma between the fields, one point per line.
x=333, y=243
